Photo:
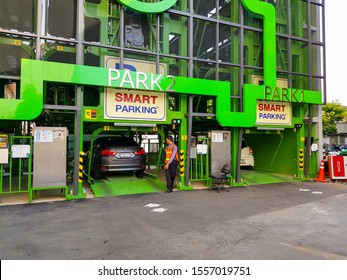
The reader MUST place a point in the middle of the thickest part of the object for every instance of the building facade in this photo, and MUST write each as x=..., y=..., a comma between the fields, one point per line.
x=185, y=67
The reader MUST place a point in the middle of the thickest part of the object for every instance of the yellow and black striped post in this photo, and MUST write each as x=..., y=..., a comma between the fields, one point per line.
x=80, y=168
x=181, y=159
x=301, y=159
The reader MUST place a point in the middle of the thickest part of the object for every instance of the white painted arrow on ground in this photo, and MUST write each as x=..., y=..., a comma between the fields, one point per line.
x=317, y=192
x=152, y=205
x=159, y=210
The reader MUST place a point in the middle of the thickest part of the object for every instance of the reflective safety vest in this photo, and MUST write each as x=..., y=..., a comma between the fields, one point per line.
x=168, y=152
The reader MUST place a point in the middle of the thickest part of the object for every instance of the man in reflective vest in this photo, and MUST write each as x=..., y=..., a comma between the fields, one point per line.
x=171, y=163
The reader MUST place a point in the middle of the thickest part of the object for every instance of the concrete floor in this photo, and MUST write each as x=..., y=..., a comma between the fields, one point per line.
x=249, y=177
x=295, y=221
x=56, y=195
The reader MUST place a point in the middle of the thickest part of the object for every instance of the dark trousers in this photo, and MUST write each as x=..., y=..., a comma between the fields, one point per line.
x=170, y=174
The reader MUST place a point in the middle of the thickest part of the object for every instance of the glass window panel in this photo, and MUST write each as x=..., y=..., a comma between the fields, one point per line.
x=253, y=49
x=175, y=66
x=296, y=110
x=92, y=56
x=91, y=59
x=60, y=94
x=174, y=35
x=17, y=15
x=91, y=96
x=12, y=50
x=142, y=62
x=300, y=82
x=205, y=8
x=317, y=60
x=230, y=74
x=299, y=18
x=204, y=70
x=61, y=18
x=109, y=58
x=299, y=53
x=251, y=20
x=253, y=76
x=58, y=52
x=140, y=30
x=318, y=84
x=229, y=43
x=316, y=23
x=137, y=33
x=281, y=16
x=181, y=5
x=92, y=29
x=282, y=53
x=113, y=25
x=150, y=33
x=204, y=104
x=204, y=39
x=229, y=10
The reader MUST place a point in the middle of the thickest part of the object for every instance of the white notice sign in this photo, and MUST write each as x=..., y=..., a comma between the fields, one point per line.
x=43, y=135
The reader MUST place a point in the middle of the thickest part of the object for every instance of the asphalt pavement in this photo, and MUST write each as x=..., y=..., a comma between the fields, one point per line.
x=286, y=221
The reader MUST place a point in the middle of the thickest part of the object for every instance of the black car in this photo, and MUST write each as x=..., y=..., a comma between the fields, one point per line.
x=117, y=154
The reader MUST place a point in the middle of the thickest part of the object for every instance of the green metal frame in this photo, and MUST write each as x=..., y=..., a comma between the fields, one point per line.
x=33, y=191
x=20, y=164
x=35, y=72
x=200, y=167
x=117, y=129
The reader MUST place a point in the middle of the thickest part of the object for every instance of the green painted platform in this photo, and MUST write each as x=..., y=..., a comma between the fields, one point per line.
x=124, y=185
x=255, y=177
x=118, y=185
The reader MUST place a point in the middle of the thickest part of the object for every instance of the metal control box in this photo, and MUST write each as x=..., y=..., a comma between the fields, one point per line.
x=50, y=147
x=220, y=149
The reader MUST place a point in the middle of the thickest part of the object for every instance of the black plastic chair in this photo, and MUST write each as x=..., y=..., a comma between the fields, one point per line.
x=222, y=177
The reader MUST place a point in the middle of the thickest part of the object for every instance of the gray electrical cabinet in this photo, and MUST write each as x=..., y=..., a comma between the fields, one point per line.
x=220, y=149
x=50, y=145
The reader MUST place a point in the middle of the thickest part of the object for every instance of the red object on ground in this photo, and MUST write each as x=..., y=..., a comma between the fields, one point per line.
x=321, y=174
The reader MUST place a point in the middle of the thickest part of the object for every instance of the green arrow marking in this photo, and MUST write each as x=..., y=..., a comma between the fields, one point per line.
x=148, y=8
x=268, y=13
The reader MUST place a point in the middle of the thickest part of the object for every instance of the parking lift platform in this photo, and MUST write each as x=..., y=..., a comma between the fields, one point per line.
x=119, y=184
x=126, y=184
x=256, y=177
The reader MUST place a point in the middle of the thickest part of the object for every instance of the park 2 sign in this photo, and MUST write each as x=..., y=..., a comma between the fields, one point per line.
x=136, y=93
